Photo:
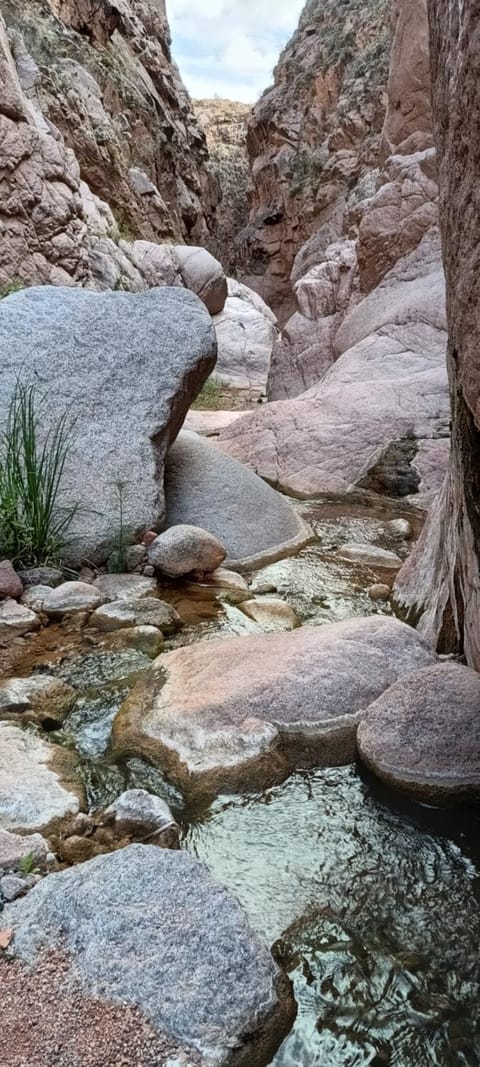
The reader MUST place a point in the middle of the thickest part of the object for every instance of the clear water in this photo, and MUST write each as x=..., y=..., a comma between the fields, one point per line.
x=374, y=915
x=376, y=920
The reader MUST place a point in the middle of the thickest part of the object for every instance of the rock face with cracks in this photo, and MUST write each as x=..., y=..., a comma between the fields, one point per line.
x=150, y=928
x=423, y=735
x=124, y=368
x=245, y=711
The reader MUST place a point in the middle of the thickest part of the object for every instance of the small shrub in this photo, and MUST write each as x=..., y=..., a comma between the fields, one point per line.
x=32, y=525
x=117, y=560
x=211, y=396
x=28, y=865
x=11, y=287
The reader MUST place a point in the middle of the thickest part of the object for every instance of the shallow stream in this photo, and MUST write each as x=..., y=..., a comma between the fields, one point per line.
x=373, y=910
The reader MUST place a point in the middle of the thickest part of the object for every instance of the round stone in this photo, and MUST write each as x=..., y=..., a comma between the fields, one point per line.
x=422, y=736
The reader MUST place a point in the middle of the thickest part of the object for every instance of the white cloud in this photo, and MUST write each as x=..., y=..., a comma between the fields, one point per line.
x=229, y=47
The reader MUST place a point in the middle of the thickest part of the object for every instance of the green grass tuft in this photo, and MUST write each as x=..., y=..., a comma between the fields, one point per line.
x=32, y=525
x=211, y=396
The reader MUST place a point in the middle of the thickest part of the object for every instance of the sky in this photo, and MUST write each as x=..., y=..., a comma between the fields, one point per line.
x=228, y=48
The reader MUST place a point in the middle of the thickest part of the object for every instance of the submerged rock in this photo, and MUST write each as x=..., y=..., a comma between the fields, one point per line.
x=271, y=614
x=183, y=549
x=151, y=928
x=126, y=366
x=423, y=735
x=38, y=781
x=242, y=712
x=371, y=555
x=207, y=488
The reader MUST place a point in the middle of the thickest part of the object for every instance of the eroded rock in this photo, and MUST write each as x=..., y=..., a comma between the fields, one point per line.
x=38, y=781
x=243, y=711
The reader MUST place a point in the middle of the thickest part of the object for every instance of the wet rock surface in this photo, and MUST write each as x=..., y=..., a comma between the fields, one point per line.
x=133, y=923
x=248, y=710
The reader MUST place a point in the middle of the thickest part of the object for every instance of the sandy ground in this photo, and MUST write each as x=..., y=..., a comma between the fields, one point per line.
x=45, y=1021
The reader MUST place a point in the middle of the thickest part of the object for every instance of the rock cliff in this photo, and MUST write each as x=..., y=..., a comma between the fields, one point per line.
x=314, y=136
x=225, y=126
x=358, y=374
x=103, y=77
x=440, y=584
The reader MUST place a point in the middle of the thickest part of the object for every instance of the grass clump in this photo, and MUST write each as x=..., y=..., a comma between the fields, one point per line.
x=11, y=287
x=28, y=865
x=32, y=524
x=211, y=396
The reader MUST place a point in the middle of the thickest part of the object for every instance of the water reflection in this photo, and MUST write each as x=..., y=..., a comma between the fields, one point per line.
x=376, y=920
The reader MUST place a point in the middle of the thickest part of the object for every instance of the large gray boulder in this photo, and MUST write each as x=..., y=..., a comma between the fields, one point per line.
x=206, y=488
x=150, y=928
x=242, y=712
x=125, y=367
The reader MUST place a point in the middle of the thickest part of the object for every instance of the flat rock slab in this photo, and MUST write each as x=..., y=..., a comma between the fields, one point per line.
x=38, y=781
x=423, y=735
x=243, y=712
x=126, y=366
x=72, y=598
x=205, y=487
x=125, y=586
x=151, y=928
x=149, y=611
x=371, y=555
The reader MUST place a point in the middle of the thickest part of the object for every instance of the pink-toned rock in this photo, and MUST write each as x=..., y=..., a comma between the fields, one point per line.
x=183, y=549
x=10, y=584
x=14, y=848
x=242, y=712
x=423, y=735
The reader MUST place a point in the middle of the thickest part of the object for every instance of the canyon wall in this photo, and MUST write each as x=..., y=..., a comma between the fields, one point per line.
x=440, y=584
x=225, y=125
x=314, y=139
x=358, y=376
x=104, y=79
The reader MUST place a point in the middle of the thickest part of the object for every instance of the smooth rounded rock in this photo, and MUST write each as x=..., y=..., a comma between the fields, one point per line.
x=139, y=813
x=132, y=613
x=422, y=736
x=400, y=529
x=207, y=488
x=15, y=847
x=271, y=614
x=50, y=576
x=10, y=583
x=379, y=591
x=70, y=598
x=183, y=549
x=34, y=597
x=39, y=785
x=16, y=620
x=243, y=712
x=151, y=928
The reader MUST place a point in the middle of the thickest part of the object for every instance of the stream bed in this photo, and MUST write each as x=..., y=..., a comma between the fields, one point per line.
x=373, y=910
